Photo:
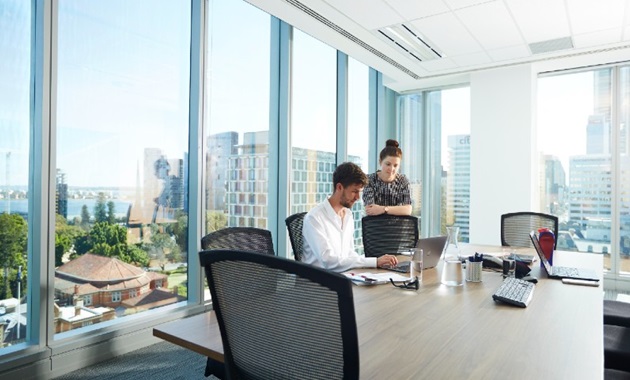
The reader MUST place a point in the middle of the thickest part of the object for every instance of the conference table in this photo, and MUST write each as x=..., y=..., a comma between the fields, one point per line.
x=460, y=332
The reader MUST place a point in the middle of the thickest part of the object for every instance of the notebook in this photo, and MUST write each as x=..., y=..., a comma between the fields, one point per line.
x=431, y=247
x=561, y=272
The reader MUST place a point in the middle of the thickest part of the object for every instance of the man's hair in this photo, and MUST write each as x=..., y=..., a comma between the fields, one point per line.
x=348, y=174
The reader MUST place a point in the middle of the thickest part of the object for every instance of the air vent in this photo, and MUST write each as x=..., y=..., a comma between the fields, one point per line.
x=549, y=46
x=406, y=38
x=351, y=37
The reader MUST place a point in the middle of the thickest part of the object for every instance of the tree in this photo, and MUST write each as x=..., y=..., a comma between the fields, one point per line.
x=138, y=256
x=65, y=237
x=85, y=217
x=215, y=220
x=13, y=240
x=111, y=212
x=109, y=240
x=100, y=210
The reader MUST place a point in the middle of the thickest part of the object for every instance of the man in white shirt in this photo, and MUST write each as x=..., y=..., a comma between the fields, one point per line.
x=328, y=229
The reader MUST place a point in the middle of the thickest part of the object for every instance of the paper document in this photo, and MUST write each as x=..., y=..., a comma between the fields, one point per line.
x=368, y=278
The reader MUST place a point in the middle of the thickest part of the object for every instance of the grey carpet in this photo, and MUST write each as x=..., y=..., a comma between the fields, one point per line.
x=160, y=361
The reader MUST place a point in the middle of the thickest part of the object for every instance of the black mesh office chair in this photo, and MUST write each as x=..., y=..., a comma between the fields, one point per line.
x=388, y=234
x=294, y=226
x=248, y=239
x=282, y=319
x=516, y=226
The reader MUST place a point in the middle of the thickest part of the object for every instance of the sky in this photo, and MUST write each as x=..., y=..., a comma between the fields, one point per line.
x=123, y=87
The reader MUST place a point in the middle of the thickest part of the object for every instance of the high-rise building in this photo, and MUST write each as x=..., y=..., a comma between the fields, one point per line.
x=553, y=186
x=61, y=201
x=458, y=184
x=220, y=147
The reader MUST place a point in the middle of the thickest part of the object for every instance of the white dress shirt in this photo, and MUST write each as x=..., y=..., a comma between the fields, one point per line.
x=329, y=242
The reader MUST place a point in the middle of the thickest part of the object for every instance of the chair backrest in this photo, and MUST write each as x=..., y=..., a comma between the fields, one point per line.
x=388, y=234
x=282, y=319
x=247, y=239
x=516, y=226
x=294, y=226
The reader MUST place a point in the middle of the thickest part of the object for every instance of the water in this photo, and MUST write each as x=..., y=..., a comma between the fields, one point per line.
x=74, y=206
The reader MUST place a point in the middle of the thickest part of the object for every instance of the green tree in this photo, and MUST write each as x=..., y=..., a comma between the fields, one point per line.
x=100, y=209
x=13, y=240
x=65, y=237
x=111, y=212
x=215, y=220
x=138, y=256
x=85, y=217
x=163, y=246
x=109, y=240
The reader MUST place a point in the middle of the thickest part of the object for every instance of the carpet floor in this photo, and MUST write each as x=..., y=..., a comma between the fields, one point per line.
x=160, y=361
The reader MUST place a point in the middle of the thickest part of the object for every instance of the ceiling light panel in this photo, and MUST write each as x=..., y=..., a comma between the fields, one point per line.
x=540, y=20
x=500, y=32
x=592, y=15
x=447, y=33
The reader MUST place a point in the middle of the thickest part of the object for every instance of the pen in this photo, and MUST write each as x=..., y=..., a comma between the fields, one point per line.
x=366, y=278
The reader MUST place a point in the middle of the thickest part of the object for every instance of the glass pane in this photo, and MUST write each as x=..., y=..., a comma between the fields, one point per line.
x=410, y=116
x=237, y=142
x=313, y=121
x=624, y=164
x=358, y=130
x=456, y=160
x=574, y=118
x=122, y=141
x=15, y=50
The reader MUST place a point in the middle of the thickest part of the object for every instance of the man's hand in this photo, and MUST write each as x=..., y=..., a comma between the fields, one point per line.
x=386, y=261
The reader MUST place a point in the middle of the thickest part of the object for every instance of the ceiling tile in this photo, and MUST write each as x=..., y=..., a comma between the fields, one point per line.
x=411, y=10
x=592, y=15
x=447, y=34
x=372, y=15
x=601, y=37
x=457, y=4
x=499, y=33
x=472, y=59
x=540, y=20
x=508, y=53
x=438, y=65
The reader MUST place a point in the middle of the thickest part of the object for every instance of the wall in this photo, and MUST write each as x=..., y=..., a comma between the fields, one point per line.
x=502, y=146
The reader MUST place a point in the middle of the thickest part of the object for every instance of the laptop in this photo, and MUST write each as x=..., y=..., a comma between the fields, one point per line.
x=431, y=247
x=561, y=272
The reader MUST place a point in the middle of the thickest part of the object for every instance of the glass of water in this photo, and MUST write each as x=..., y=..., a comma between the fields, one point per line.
x=415, y=266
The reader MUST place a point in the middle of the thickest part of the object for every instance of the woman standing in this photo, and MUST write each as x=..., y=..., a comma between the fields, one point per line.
x=387, y=191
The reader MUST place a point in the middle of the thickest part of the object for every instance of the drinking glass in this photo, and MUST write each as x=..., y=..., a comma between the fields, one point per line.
x=415, y=266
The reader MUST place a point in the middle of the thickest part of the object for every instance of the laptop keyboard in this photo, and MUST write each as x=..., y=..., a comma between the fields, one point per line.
x=515, y=292
x=565, y=271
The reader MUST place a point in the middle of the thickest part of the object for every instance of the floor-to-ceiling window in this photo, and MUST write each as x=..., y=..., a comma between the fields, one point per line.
x=122, y=104
x=583, y=161
x=237, y=117
x=15, y=93
x=313, y=121
x=358, y=136
x=435, y=137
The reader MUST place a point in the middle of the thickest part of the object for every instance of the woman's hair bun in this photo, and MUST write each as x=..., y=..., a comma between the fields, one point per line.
x=391, y=142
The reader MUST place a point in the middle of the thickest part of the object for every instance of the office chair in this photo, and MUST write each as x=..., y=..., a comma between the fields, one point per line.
x=282, y=319
x=294, y=226
x=516, y=226
x=388, y=234
x=248, y=239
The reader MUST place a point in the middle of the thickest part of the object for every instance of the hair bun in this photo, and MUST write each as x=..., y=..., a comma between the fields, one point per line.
x=391, y=142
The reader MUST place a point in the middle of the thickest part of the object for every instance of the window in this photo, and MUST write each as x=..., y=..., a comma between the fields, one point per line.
x=122, y=140
x=585, y=179
x=116, y=297
x=313, y=111
x=15, y=93
x=236, y=141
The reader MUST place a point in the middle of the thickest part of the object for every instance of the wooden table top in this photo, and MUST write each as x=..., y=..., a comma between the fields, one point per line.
x=460, y=332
